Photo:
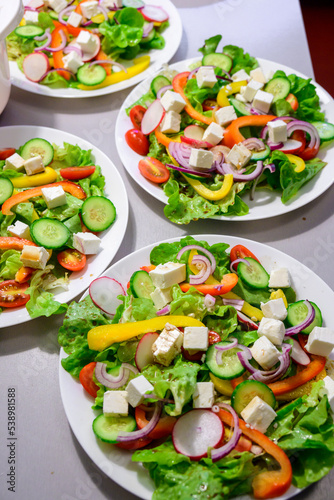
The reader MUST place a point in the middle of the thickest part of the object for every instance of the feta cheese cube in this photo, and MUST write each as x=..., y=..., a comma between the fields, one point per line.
x=115, y=404
x=274, y=309
x=239, y=155
x=206, y=77
x=171, y=123
x=200, y=159
x=136, y=389
x=14, y=162
x=240, y=75
x=329, y=390
x=213, y=134
x=161, y=297
x=242, y=91
x=262, y=101
x=31, y=17
x=72, y=61
x=166, y=275
x=74, y=19
x=35, y=257
x=112, y=3
x=277, y=131
x=86, y=243
x=240, y=98
x=265, y=353
x=279, y=278
x=20, y=230
x=257, y=75
x=225, y=115
x=273, y=329
x=86, y=41
x=36, y=4
x=57, y=5
x=34, y=165
x=54, y=196
x=204, y=395
x=172, y=101
x=258, y=414
x=320, y=341
x=196, y=338
x=90, y=9
x=251, y=89
x=168, y=345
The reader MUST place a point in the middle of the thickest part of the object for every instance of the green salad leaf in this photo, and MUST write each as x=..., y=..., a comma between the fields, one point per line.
x=240, y=58
x=10, y=263
x=210, y=45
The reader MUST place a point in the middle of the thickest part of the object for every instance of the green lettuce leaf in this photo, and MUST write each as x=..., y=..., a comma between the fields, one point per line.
x=64, y=212
x=210, y=45
x=10, y=263
x=157, y=150
x=241, y=59
x=72, y=155
x=42, y=302
x=136, y=309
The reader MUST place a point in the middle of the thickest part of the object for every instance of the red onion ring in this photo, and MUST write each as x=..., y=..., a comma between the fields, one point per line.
x=200, y=249
x=164, y=311
x=305, y=127
x=87, y=23
x=188, y=170
x=124, y=437
x=180, y=152
x=304, y=324
x=226, y=168
x=205, y=271
x=73, y=48
x=209, y=301
x=164, y=89
x=60, y=47
x=108, y=380
x=253, y=143
x=42, y=37
x=46, y=44
x=64, y=12
x=272, y=375
x=236, y=261
x=221, y=349
x=217, y=454
x=236, y=303
x=274, y=145
x=244, y=356
x=255, y=111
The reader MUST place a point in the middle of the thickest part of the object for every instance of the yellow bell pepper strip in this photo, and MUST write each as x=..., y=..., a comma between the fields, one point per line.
x=139, y=65
x=231, y=88
x=232, y=134
x=252, y=312
x=296, y=160
x=268, y=484
x=101, y=337
x=207, y=193
x=50, y=175
x=279, y=294
x=69, y=187
x=222, y=386
x=14, y=243
x=179, y=82
x=227, y=283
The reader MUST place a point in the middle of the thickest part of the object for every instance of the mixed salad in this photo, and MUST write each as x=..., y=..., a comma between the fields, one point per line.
x=211, y=134
x=52, y=208
x=210, y=370
x=79, y=44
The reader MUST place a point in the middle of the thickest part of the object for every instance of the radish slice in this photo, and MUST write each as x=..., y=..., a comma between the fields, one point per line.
x=194, y=132
x=88, y=56
x=144, y=354
x=195, y=143
x=247, y=321
x=196, y=431
x=155, y=14
x=290, y=146
x=104, y=291
x=152, y=117
x=298, y=354
x=35, y=66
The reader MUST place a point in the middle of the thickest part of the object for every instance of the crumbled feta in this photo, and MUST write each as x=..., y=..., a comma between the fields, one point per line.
x=206, y=77
x=20, y=230
x=115, y=404
x=57, y=5
x=251, y=89
x=257, y=75
x=34, y=165
x=279, y=278
x=172, y=101
x=213, y=134
x=14, y=162
x=265, y=353
x=90, y=9
x=239, y=155
x=31, y=17
x=86, y=41
x=273, y=329
x=161, y=297
x=204, y=395
x=320, y=341
x=277, y=130
x=196, y=338
x=168, y=345
x=35, y=257
x=72, y=61
x=136, y=389
x=258, y=414
x=240, y=75
x=171, y=123
x=240, y=98
x=166, y=275
x=112, y=3
x=74, y=19
x=200, y=159
x=86, y=243
x=225, y=115
x=54, y=196
x=274, y=309
x=262, y=101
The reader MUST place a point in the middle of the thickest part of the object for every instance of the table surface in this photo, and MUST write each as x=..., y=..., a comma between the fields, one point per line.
x=50, y=462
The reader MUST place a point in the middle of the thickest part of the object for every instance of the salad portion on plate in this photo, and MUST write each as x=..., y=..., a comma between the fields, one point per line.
x=209, y=365
x=221, y=136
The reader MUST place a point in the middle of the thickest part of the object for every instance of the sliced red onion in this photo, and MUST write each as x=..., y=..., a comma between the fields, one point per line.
x=163, y=90
x=60, y=47
x=305, y=127
x=42, y=37
x=244, y=357
x=205, y=271
x=164, y=311
x=272, y=168
x=103, y=11
x=209, y=301
x=227, y=78
x=180, y=152
x=304, y=324
x=31, y=9
x=109, y=61
x=298, y=354
x=274, y=145
x=200, y=249
x=108, y=380
x=124, y=437
x=147, y=30
x=188, y=170
x=255, y=111
x=217, y=454
x=132, y=368
x=45, y=46
x=254, y=144
x=236, y=261
x=268, y=377
x=57, y=69
x=88, y=23
x=73, y=48
x=221, y=349
x=236, y=303
x=64, y=12
x=226, y=168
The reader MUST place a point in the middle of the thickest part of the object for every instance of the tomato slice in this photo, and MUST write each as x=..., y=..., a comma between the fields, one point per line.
x=293, y=101
x=209, y=104
x=299, y=135
x=12, y=293
x=76, y=173
x=153, y=170
x=86, y=379
x=137, y=141
x=214, y=337
x=240, y=252
x=136, y=115
x=6, y=153
x=163, y=428
x=72, y=259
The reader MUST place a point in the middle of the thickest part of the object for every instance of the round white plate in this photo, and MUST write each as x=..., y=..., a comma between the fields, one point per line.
x=172, y=36
x=267, y=203
x=111, y=238
x=116, y=463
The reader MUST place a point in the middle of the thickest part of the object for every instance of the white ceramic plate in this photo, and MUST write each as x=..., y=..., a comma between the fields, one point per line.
x=172, y=35
x=111, y=238
x=267, y=203
x=116, y=463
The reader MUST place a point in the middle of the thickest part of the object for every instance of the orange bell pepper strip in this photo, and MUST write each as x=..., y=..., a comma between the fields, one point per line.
x=69, y=187
x=179, y=82
x=102, y=56
x=268, y=484
x=14, y=243
x=148, y=268
x=58, y=56
x=232, y=134
x=23, y=274
x=228, y=282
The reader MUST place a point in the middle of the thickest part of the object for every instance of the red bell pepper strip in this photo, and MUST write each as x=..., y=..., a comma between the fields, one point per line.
x=13, y=243
x=232, y=134
x=179, y=82
x=163, y=428
x=228, y=282
x=58, y=56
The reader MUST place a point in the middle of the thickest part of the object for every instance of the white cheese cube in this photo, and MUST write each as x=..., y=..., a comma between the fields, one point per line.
x=115, y=404
x=35, y=257
x=54, y=196
x=74, y=19
x=279, y=278
x=136, y=389
x=196, y=338
x=200, y=159
x=14, y=162
x=239, y=155
x=34, y=165
x=262, y=101
x=277, y=131
x=240, y=98
x=274, y=309
x=86, y=243
x=171, y=123
x=90, y=9
x=86, y=41
x=168, y=345
x=242, y=91
x=257, y=75
x=72, y=61
x=57, y=5
x=251, y=89
x=31, y=17
x=258, y=414
x=265, y=353
x=329, y=390
x=204, y=395
x=225, y=115
x=36, y=4
x=213, y=134
x=166, y=275
x=172, y=101
x=320, y=341
x=112, y=3
x=273, y=329
x=20, y=230
x=161, y=297
x=240, y=75
x=206, y=77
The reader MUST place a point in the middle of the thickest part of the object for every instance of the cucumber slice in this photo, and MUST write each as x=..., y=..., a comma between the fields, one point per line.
x=325, y=130
x=279, y=87
x=158, y=82
x=108, y=428
x=6, y=189
x=247, y=390
x=91, y=75
x=29, y=31
x=141, y=285
x=194, y=176
x=36, y=147
x=230, y=367
x=261, y=155
x=49, y=233
x=222, y=61
x=149, y=37
x=98, y=213
x=53, y=15
x=239, y=107
x=254, y=274
x=297, y=312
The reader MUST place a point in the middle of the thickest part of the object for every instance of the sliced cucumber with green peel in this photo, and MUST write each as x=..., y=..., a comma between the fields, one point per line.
x=49, y=233
x=40, y=147
x=253, y=274
x=91, y=75
x=29, y=31
x=53, y=15
x=279, y=87
x=158, y=82
x=149, y=37
x=239, y=107
x=261, y=155
x=222, y=61
x=141, y=285
x=325, y=130
x=6, y=189
x=245, y=392
x=98, y=213
x=297, y=313
x=108, y=428
x=194, y=176
x=230, y=367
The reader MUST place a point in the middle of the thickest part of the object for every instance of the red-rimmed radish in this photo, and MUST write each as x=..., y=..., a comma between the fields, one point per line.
x=144, y=355
x=246, y=321
x=104, y=291
x=35, y=66
x=291, y=146
x=195, y=143
x=194, y=132
x=197, y=431
x=154, y=14
x=298, y=354
x=88, y=56
x=153, y=117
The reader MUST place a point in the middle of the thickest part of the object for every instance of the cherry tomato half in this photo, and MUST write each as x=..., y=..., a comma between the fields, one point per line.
x=153, y=170
x=209, y=104
x=72, y=259
x=137, y=141
x=76, y=173
x=240, y=252
x=86, y=379
x=299, y=135
x=292, y=100
x=6, y=153
x=12, y=293
x=214, y=337
x=136, y=115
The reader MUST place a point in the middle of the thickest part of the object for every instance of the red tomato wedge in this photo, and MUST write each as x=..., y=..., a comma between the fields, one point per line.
x=153, y=170
x=137, y=141
x=136, y=116
x=12, y=293
x=76, y=173
x=6, y=153
x=72, y=259
x=240, y=252
x=214, y=337
x=86, y=379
